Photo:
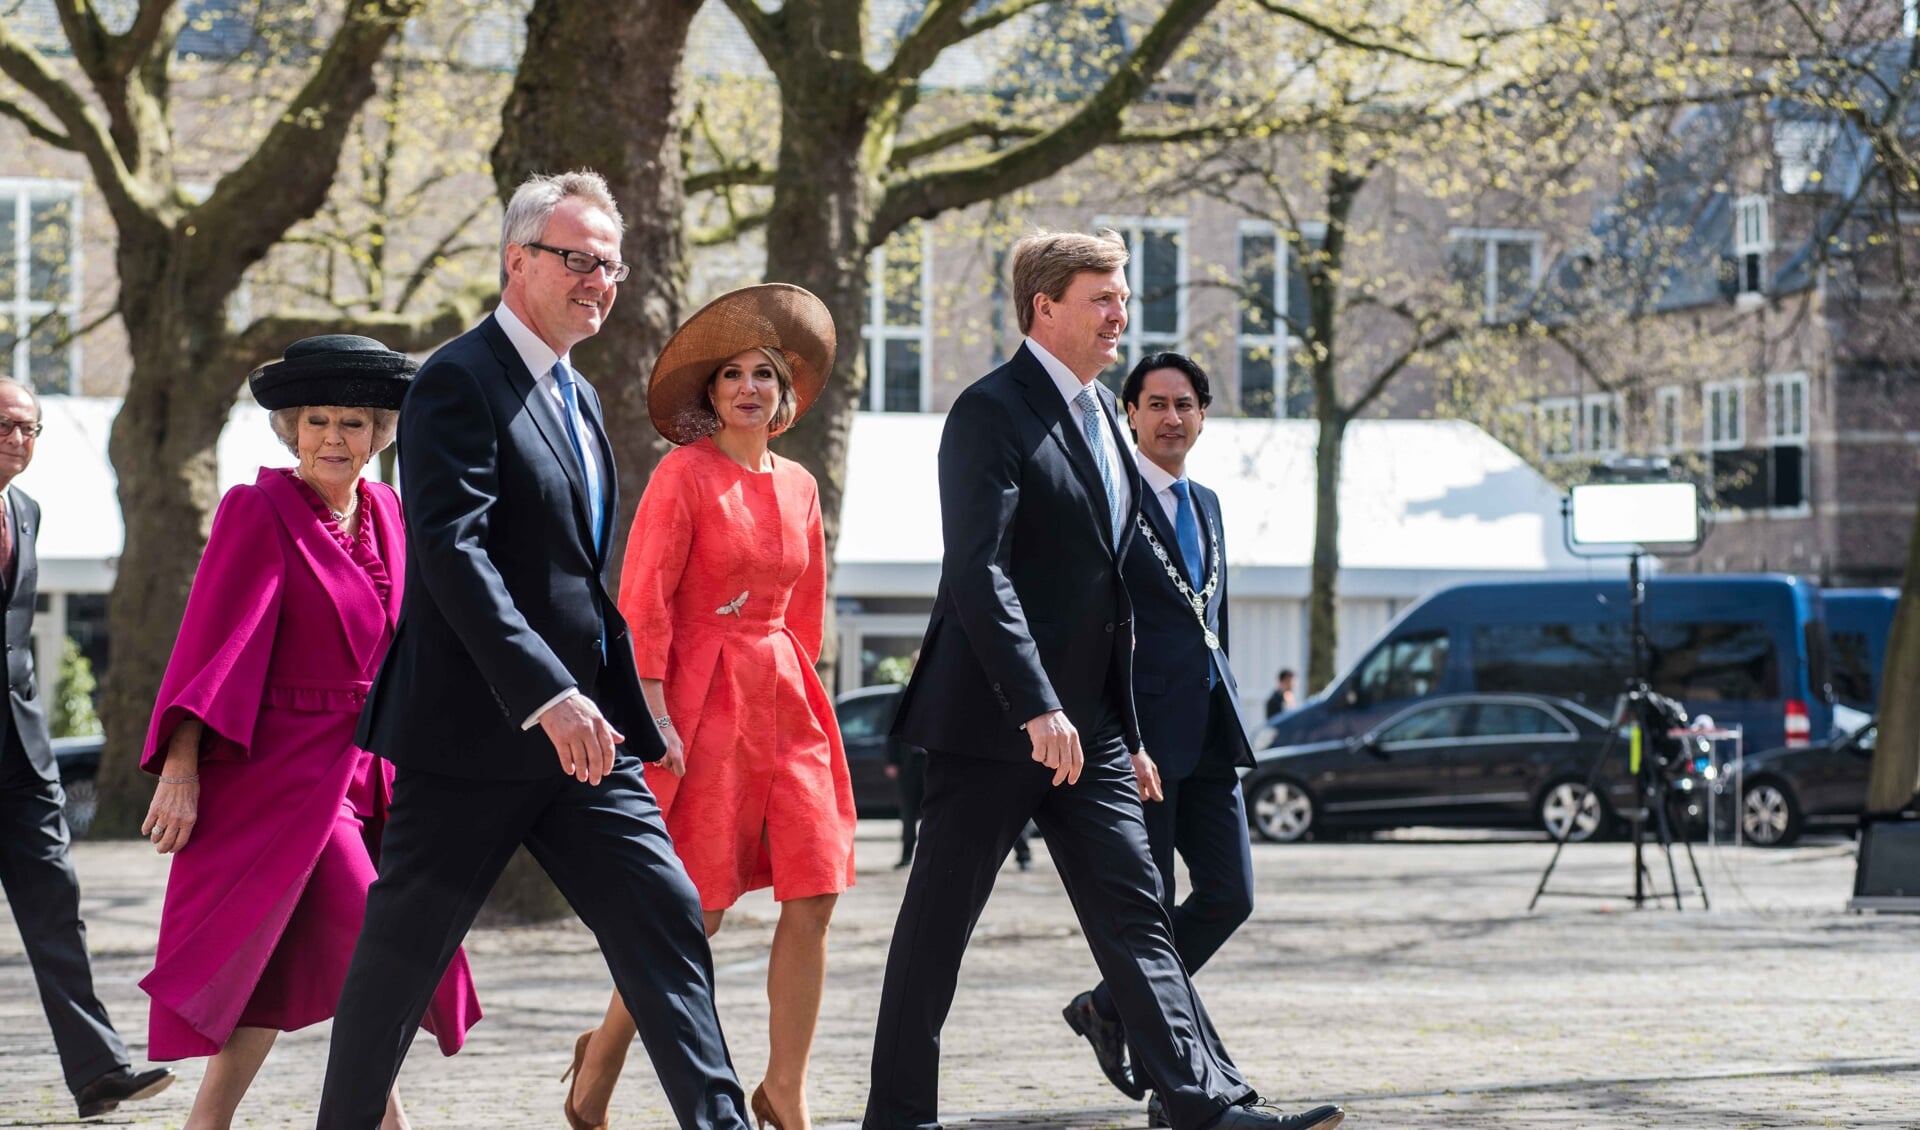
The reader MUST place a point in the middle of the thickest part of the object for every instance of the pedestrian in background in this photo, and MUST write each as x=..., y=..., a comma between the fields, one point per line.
x=272, y=814
x=35, y=868
x=1281, y=700
x=725, y=586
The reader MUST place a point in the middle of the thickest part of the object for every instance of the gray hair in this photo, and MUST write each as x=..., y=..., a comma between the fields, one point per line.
x=286, y=426
x=536, y=198
x=9, y=382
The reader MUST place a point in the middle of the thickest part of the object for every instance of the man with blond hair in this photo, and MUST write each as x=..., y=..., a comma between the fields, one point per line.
x=510, y=656
x=1023, y=701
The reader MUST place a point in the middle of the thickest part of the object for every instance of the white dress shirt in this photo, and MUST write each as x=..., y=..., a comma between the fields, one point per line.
x=539, y=358
x=1070, y=386
x=1160, y=485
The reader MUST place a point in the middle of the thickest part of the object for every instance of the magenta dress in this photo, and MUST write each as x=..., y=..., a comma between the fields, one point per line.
x=284, y=630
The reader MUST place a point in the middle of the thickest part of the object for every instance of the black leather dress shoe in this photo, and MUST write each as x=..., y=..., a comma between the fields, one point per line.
x=1109, y=1042
x=1255, y=1116
x=1156, y=1113
x=121, y=1085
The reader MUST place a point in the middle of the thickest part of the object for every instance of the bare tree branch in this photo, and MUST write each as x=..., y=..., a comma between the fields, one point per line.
x=36, y=127
x=1356, y=40
x=741, y=174
x=921, y=148
x=23, y=64
x=763, y=28
x=942, y=24
x=729, y=231
x=264, y=338
x=994, y=17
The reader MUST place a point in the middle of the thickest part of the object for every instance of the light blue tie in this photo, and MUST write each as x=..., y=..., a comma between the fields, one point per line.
x=565, y=378
x=1093, y=421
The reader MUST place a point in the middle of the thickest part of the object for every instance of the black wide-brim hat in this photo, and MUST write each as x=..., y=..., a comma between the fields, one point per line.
x=335, y=369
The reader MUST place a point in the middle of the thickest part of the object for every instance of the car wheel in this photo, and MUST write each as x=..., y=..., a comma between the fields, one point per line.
x=1282, y=811
x=1769, y=814
x=83, y=800
x=1571, y=803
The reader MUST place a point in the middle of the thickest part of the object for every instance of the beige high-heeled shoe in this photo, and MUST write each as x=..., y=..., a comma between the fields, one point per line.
x=763, y=1115
x=579, y=1057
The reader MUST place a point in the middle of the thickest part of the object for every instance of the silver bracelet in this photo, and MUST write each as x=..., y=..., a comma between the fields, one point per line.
x=189, y=779
x=664, y=722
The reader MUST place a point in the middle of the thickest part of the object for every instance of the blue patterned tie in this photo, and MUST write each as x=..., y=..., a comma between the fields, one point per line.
x=565, y=378
x=1092, y=420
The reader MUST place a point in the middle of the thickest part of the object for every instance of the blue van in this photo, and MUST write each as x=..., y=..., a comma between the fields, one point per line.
x=1750, y=650
x=1858, y=621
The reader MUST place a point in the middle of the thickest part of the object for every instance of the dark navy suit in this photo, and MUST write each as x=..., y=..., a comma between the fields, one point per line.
x=35, y=870
x=1196, y=734
x=1032, y=616
x=505, y=608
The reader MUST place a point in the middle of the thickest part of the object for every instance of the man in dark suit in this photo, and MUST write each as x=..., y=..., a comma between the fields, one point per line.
x=1023, y=701
x=1190, y=717
x=34, y=868
x=510, y=654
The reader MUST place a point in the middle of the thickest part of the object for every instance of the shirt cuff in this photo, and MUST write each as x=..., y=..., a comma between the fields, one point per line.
x=534, y=718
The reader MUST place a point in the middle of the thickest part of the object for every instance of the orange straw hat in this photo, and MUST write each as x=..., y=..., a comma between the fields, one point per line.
x=773, y=315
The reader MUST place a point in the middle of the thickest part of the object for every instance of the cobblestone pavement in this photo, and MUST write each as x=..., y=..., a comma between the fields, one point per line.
x=1403, y=978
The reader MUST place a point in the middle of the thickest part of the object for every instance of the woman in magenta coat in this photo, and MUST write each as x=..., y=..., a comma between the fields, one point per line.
x=271, y=812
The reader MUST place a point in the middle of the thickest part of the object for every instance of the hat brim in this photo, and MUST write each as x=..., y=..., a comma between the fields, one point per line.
x=345, y=379
x=772, y=315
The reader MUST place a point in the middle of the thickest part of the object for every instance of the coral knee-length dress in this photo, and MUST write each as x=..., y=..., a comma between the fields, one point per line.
x=724, y=590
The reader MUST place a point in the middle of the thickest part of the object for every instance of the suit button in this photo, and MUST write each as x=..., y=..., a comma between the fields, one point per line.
x=1109, y=627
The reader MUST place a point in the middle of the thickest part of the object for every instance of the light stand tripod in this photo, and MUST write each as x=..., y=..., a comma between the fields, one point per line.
x=1641, y=505
x=1651, y=722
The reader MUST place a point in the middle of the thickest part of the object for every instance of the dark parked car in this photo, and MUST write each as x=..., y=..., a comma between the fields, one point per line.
x=1469, y=760
x=79, y=761
x=865, y=717
x=1787, y=791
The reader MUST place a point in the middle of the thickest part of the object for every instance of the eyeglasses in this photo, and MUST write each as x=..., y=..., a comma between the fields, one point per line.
x=26, y=430
x=582, y=263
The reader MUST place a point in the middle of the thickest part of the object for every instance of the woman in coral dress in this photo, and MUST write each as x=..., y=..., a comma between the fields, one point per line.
x=724, y=587
x=270, y=811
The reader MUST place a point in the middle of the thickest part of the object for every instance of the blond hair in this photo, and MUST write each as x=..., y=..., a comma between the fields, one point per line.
x=1047, y=261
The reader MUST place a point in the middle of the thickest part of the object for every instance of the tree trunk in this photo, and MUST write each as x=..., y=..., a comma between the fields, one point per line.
x=564, y=113
x=818, y=235
x=1323, y=629
x=163, y=448
x=1895, y=778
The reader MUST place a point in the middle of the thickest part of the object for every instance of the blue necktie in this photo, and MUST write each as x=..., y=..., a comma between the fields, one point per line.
x=570, y=396
x=1186, y=528
x=1092, y=421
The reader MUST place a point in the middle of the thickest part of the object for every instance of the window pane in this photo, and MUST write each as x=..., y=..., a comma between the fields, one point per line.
x=50, y=355
x=1511, y=719
x=1405, y=668
x=1257, y=263
x=1514, y=262
x=864, y=717
x=1467, y=260
x=1256, y=381
x=902, y=391
x=902, y=274
x=1160, y=282
x=1853, y=670
x=50, y=250
x=1427, y=725
x=9, y=269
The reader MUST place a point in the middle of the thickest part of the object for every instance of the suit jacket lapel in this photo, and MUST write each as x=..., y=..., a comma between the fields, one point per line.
x=1045, y=400
x=1136, y=486
x=346, y=583
x=609, y=478
x=546, y=414
x=26, y=553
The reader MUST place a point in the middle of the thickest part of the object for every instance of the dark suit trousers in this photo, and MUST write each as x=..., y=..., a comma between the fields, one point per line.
x=1204, y=819
x=45, y=896
x=974, y=808
x=446, y=841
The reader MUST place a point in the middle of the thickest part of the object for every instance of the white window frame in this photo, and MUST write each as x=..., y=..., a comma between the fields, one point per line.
x=1670, y=404
x=1782, y=391
x=18, y=193
x=1603, y=439
x=1569, y=409
x=878, y=333
x=1138, y=341
x=1734, y=436
x=1752, y=237
x=1490, y=240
